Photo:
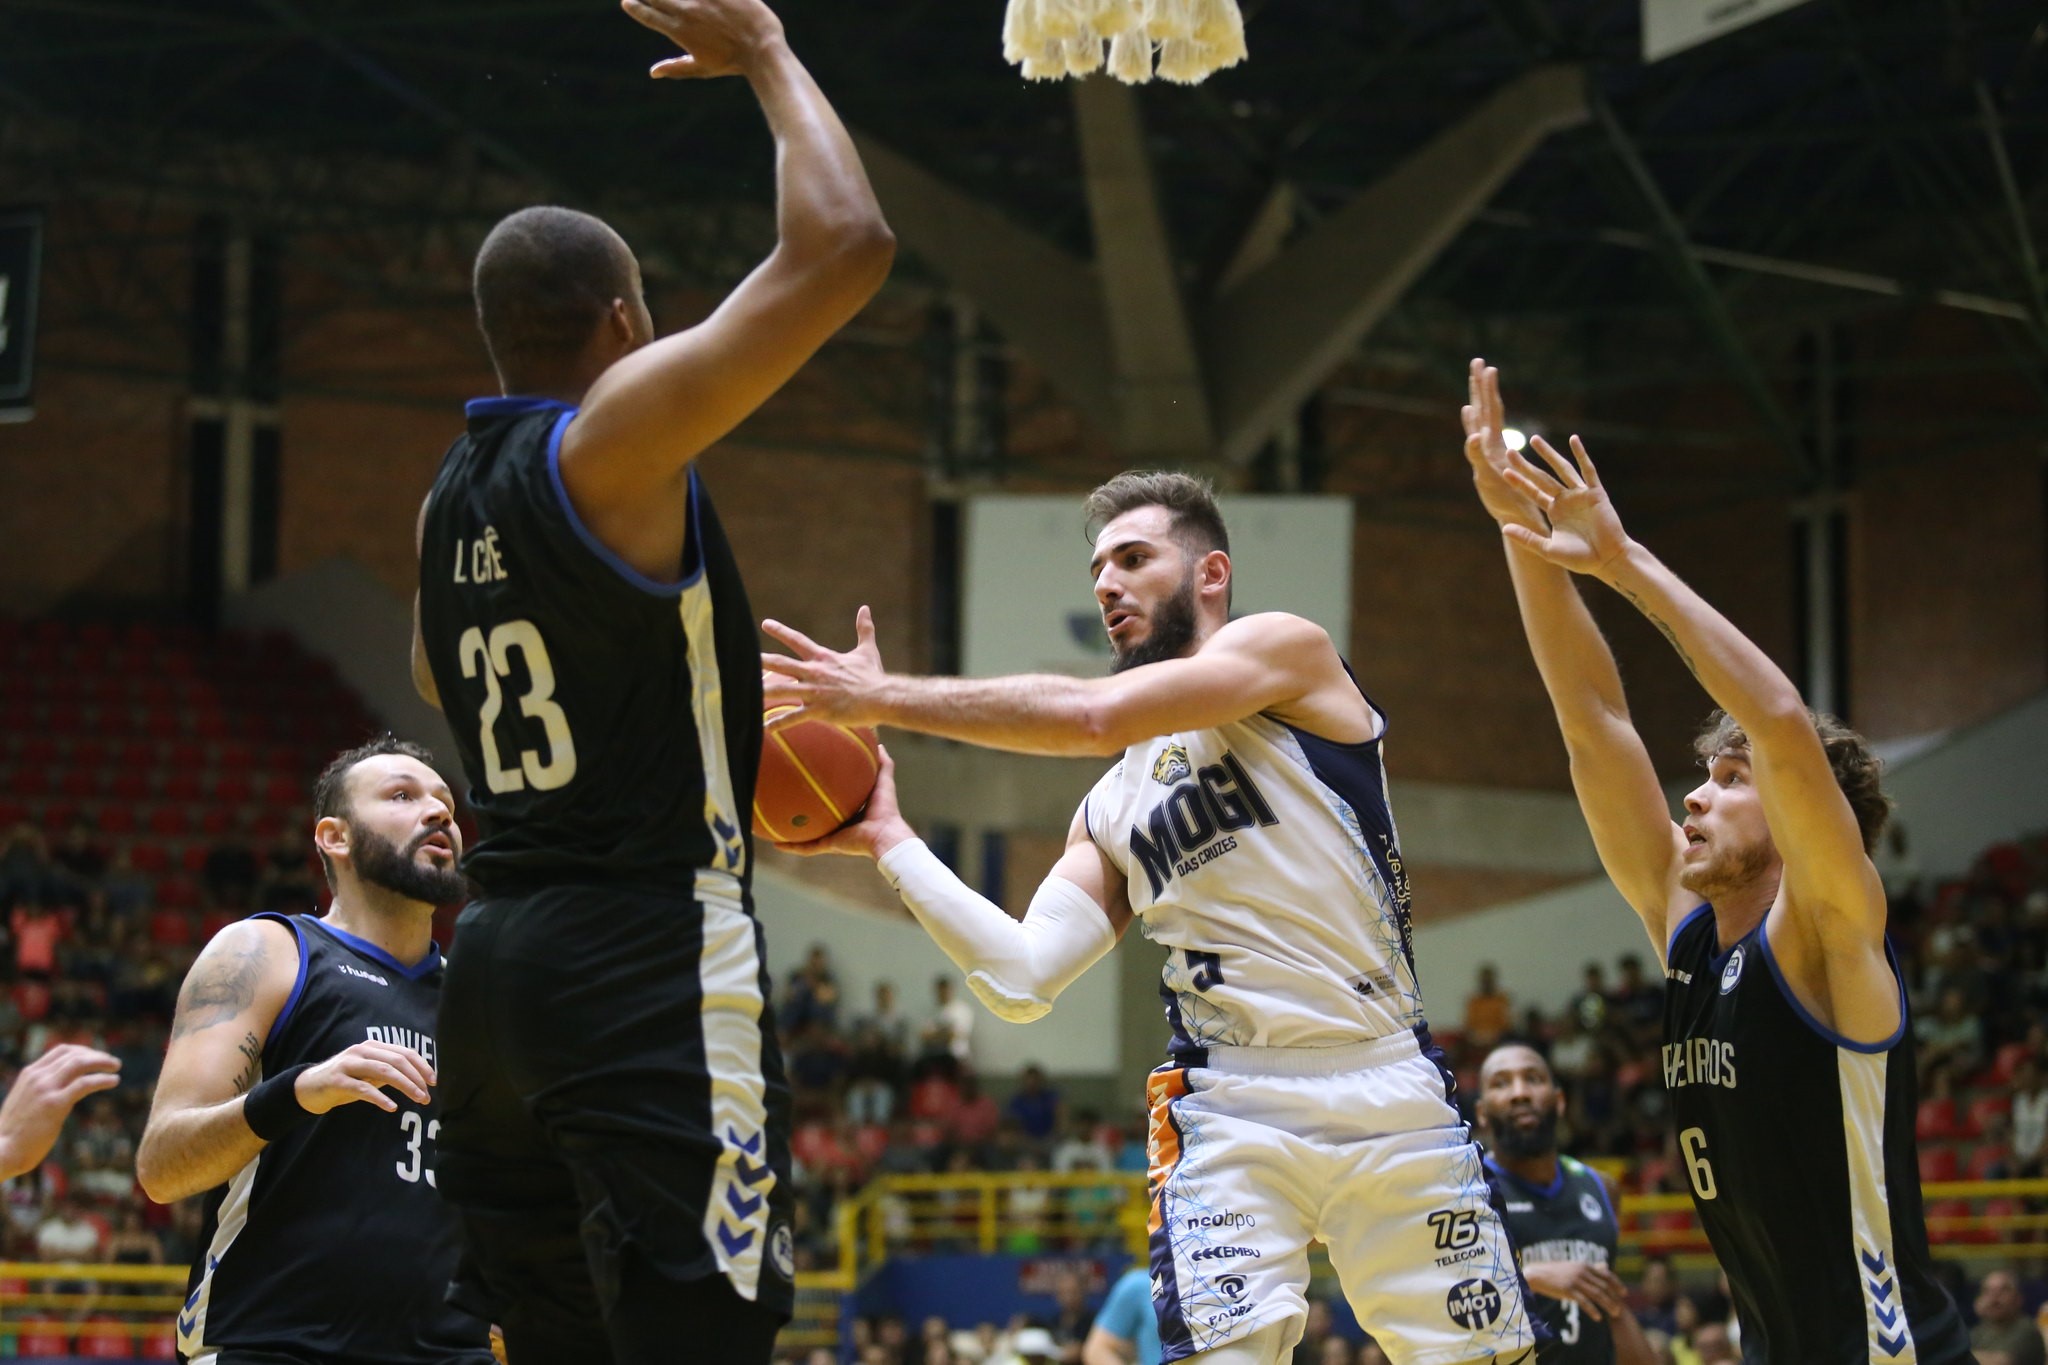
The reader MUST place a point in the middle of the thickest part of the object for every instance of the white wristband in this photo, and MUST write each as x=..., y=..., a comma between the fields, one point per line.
x=1015, y=967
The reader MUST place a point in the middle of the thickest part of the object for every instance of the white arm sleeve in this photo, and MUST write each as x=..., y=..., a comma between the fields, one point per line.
x=1015, y=967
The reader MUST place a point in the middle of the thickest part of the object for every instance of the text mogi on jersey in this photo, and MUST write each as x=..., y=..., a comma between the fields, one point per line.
x=1177, y=837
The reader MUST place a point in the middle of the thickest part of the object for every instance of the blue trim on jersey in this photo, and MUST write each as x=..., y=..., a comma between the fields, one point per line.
x=1181, y=1048
x=1555, y=1188
x=651, y=586
x=291, y=1002
x=1785, y=989
x=1690, y=916
x=511, y=405
x=430, y=963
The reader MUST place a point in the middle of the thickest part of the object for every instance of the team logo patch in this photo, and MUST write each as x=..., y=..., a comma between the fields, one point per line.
x=1589, y=1206
x=1731, y=973
x=1473, y=1304
x=782, y=1251
x=1172, y=765
x=1233, y=1286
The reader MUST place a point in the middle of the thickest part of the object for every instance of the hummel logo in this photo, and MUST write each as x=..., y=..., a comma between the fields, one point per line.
x=357, y=971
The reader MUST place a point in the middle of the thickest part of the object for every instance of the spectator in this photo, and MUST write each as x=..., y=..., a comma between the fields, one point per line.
x=1077, y=1149
x=230, y=871
x=1952, y=1040
x=1713, y=1345
x=1590, y=1004
x=1639, y=1003
x=1026, y=1206
x=1314, y=1331
x=1337, y=1351
x=37, y=930
x=874, y=1073
x=1071, y=1319
x=975, y=1117
x=125, y=891
x=285, y=882
x=1037, y=1346
x=1571, y=1054
x=1370, y=1353
x=79, y=855
x=1656, y=1297
x=133, y=1243
x=1126, y=1329
x=2029, y=1117
x=888, y=1020
x=24, y=865
x=67, y=1234
x=1035, y=1106
x=949, y=1033
x=1488, y=1012
x=2002, y=1326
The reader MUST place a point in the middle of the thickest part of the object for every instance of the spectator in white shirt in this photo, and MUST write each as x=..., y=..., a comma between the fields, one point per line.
x=2029, y=1118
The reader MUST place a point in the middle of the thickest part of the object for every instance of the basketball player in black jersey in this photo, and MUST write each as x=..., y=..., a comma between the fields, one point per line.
x=1560, y=1214
x=298, y=1088
x=617, y=1127
x=1784, y=1014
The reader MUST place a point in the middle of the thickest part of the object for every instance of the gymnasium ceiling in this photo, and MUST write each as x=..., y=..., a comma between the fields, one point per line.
x=1904, y=142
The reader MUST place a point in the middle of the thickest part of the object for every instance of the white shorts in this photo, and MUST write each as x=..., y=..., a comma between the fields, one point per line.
x=1263, y=1149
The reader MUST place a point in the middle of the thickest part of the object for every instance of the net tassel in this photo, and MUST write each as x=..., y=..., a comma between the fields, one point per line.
x=1053, y=38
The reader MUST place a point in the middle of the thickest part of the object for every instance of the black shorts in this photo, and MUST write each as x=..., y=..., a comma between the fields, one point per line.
x=614, y=1118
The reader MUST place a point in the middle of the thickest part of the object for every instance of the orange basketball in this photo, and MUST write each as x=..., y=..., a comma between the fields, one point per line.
x=815, y=776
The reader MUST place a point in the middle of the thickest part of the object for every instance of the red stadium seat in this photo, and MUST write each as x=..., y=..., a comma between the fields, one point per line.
x=106, y=1343
x=149, y=859
x=193, y=859
x=2007, y=1062
x=169, y=822
x=116, y=818
x=79, y=784
x=284, y=791
x=66, y=719
x=43, y=1339
x=234, y=754
x=12, y=813
x=1935, y=1119
x=216, y=819
x=210, y=724
x=33, y=780
x=1990, y=1161
x=1984, y=1106
x=130, y=784
x=139, y=755
x=232, y=788
x=188, y=754
x=96, y=636
x=158, y=1344
x=1939, y=1162
x=161, y=722
x=88, y=751
x=58, y=815
x=39, y=749
x=177, y=893
x=183, y=785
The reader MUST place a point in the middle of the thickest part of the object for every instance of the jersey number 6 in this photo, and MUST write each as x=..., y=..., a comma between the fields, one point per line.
x=494, y=661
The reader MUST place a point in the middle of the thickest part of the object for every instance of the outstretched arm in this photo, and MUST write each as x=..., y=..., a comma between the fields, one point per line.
x=1271, y=662
x=654, y=411
x=43, y=1096
x=1016, y=967
x=1617, y=786
x=1830, y=883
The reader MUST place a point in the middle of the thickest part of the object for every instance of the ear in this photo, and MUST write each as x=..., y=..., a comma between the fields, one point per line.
x=1214, y=573
x=619, y=325
x=330, y=836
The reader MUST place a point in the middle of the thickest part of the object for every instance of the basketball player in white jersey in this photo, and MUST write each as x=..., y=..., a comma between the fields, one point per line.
x=1246, y=829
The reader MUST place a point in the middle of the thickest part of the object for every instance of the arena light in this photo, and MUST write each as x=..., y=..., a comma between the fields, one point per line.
x=1515, y=438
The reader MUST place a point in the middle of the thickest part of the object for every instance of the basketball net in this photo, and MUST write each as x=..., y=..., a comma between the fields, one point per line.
x=1049, y=39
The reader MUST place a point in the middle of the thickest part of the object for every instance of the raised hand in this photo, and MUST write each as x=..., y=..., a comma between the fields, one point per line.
x=362, y=1073
x=42, y=1097
x=1486, y=450
x=718, y=37
x=1585, y=531
x=880, y=828
x=821, y=684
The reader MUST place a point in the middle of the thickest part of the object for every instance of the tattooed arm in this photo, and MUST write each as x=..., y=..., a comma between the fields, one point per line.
x=196, y=1137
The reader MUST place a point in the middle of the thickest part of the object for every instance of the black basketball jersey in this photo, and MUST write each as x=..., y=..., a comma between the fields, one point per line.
x=1570, y=1220
x=1799, y=1148
x=609, y=725
x=332, y=1244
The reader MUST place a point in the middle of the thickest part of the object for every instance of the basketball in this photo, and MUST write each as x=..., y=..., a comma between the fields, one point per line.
x=815, y=776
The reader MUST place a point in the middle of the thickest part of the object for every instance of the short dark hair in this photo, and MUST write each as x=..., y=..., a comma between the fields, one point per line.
x=330, y=789
x=1197, y=524
x=544, y=278
x=1858, y=771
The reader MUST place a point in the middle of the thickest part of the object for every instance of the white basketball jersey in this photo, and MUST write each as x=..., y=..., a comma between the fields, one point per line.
x=1265, y=859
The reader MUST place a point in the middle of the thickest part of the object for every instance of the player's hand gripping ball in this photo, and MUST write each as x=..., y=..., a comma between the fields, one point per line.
x=815, y=777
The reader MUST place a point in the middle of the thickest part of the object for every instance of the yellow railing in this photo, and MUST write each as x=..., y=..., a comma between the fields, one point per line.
x=74, y=1301
x=1668, y=1225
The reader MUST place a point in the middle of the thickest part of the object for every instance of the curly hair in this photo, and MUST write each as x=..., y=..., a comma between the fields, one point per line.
x=1858, y=771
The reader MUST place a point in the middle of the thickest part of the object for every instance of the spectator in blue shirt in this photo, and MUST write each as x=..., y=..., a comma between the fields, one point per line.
x=1126, y=1332
x=1036, y=1106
